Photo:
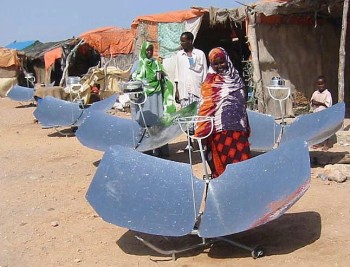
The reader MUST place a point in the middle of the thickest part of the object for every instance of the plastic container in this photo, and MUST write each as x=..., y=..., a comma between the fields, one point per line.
x=73, y=80
x=133, y=87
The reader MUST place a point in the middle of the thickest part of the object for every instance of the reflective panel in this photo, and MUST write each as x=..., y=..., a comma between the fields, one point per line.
x=256, y=191
x=104, y=105
x=100, y=131
x=53, y=112
x=20, y=93
x=159, y=136
x=316, y=127
x=144, y=193
x=264, y=131
x=169, y=130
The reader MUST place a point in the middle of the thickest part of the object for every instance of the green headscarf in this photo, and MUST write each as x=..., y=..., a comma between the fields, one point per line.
x=147, y=71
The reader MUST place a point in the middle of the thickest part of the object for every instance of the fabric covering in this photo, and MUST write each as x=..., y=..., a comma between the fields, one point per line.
x=154, y=28
x=110, y=41
x=6, y=84
x=20, y=45
x=168, y=38
x=51, y=56
x=108, y=78
x=147, y=70
x=8, y=58
x=223, y=98
x=225, y=148
x=175, y=16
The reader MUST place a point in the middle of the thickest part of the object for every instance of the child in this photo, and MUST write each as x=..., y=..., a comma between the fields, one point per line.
x=320, y=100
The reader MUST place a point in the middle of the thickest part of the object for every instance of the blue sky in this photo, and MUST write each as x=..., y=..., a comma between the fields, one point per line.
x=55, y=20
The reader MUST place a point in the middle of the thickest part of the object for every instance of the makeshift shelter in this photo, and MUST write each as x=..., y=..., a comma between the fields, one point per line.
x=9, y=68
x=164, y=30
x=115, y=45
x=295, y=39
x=34, y=61
x=21, y=45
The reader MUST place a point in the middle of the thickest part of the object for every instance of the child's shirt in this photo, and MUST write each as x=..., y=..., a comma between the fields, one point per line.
x=324, y=97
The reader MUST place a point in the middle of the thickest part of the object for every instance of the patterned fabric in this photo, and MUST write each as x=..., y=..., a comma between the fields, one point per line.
x=168, y=38
x=191, y=98
x=223, y=98
x=225, y=148
x=147, y=72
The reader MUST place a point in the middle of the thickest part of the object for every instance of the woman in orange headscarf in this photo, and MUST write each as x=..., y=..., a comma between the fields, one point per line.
x=223, y=98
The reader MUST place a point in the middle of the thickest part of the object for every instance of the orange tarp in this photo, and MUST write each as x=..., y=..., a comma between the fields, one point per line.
x=110, y=40
x=8, y=58
x=51, y=56
x=174, y=16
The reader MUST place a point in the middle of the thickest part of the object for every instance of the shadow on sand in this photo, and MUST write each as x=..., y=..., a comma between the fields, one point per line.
x=284, y=235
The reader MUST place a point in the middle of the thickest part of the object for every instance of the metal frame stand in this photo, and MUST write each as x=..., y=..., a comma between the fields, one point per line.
x=30, y=79
x=256, y=252
x=286, y=90
x=185, y=123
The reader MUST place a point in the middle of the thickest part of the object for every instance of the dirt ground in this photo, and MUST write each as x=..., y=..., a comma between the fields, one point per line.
x=46, y=221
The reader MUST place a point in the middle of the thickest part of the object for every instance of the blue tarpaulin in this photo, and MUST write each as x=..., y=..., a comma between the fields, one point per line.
x=20, y=45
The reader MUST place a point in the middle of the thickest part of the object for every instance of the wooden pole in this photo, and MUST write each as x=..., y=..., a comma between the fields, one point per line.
x=65, y=71
x=342, y=52
x=255, y=60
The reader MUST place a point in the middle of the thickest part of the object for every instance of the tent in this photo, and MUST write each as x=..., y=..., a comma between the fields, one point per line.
x=164, y=30
x=21, y=45
x=115, y=45
x=295, y=39
x=9, y=68
x=35, y=61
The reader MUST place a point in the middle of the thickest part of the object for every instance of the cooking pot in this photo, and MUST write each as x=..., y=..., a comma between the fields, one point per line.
x=275, y=81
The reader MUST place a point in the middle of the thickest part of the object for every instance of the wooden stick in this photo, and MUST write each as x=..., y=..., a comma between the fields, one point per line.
x=342, y=52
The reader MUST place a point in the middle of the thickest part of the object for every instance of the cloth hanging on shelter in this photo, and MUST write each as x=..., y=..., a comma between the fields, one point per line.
x=110, y=40
x=168, y=38
x=193, y=25
x=8, y=58
x=51, y=56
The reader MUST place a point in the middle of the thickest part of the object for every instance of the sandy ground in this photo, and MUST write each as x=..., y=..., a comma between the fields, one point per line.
x=46, y=221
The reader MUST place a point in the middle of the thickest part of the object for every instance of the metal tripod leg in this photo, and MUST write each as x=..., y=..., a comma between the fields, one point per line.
x=173, y=252
x=256, y=252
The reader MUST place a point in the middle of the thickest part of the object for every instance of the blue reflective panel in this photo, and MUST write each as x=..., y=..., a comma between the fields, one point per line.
x=256, y=191
x=143, y=193
x=316, y=127
x=53, y=112
x=264, y=131
x=20, y=93
x=104, y=105
x=100, y=131
x=159, y=136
